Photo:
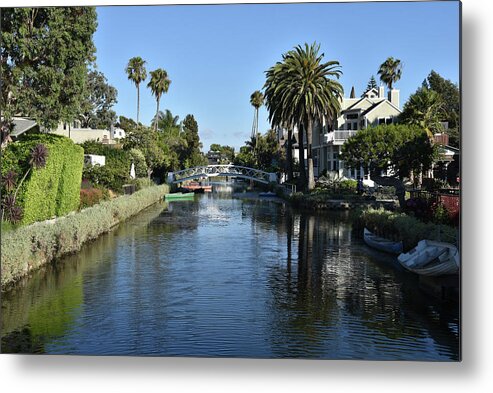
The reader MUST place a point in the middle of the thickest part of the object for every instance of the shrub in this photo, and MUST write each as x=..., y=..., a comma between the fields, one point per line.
x=52, y=190
x=142, y=182
x=29, y=247
x=139, y=161
x=405, y=228
x=116, y=171
x=91, y=196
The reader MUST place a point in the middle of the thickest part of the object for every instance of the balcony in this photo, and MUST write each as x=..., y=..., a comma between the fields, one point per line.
x=338, y=137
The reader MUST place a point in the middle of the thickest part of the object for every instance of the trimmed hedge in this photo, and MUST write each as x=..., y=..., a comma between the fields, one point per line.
x=30, y=247
x=52, y=190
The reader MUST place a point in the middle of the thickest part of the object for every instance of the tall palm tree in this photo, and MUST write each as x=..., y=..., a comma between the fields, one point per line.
x=158, y=84
x=390, y=71
x=256, y=99
x=300, y=91
x=137, y=73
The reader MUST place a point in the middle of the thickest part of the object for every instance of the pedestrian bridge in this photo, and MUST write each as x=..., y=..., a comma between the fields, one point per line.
x=203, y=172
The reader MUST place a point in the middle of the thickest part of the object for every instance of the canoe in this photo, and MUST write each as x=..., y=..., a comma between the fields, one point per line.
x=179, y=196
x=381, y=243
x=431, y=258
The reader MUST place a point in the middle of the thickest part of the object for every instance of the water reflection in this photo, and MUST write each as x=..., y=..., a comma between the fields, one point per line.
x=229, y=277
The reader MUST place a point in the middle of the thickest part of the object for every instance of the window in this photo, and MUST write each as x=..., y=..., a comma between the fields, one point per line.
x=348, y=126
x=64, y=126
x=352, y=116
x=381, y=120
x=355, y=126
x=389, y=120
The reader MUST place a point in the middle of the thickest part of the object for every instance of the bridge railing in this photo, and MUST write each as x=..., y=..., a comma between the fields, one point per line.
x=222, y=170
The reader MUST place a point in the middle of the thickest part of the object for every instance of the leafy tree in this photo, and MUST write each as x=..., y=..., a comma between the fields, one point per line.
x=44, y=57
x=372, y=84
x=299, y=91
x=449, y=92
x=126, y=124
x=390, y=71
x=425, y=109
x=137, y=73
x=192, y=154
x=227, y=151
x=158, y=84
x=390, y=153
x=96, y=108
x=245, y=157
x=167, y=123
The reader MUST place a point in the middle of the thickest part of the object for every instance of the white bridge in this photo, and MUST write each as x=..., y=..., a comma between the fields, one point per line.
x=202, y=172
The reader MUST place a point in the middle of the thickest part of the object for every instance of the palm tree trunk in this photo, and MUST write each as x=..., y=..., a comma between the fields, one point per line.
x=157, y=113
x=289, y=154
x=309, y=140
x=138, y=103
x=301, y=149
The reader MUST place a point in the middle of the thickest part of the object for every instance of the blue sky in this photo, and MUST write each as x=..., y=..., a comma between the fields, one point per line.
x=216, y=55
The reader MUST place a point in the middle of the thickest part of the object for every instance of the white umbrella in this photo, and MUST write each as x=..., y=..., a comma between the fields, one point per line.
x=132, y=171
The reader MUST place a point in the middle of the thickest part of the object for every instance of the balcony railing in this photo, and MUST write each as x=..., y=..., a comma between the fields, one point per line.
x=339, y=136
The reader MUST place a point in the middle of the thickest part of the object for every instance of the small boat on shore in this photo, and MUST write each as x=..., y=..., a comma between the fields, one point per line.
x=431, y=258
x=176, y=196
x=381, y=243
x=267, y=194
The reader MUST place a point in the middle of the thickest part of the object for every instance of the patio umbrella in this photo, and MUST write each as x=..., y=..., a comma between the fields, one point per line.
x=132, y=171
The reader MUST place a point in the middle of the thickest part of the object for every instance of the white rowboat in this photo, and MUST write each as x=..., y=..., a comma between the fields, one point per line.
x=431, y=258
x=381, y=243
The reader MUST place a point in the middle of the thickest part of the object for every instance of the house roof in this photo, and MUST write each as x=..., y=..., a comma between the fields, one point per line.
x=21, y=125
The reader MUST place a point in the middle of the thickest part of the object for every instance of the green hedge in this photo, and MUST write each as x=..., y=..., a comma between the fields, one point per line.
x=30, y=247
x=405, y=228
x=116, y=171
x=52, y=190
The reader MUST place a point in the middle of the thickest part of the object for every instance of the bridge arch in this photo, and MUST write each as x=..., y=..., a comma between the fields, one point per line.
x=203, y=172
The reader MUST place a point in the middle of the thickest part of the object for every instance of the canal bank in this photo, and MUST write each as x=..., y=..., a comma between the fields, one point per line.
x=27, y=248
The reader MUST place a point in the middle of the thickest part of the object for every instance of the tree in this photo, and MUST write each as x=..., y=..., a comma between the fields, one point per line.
x=137, y=73
x=192, y=154
x=449, y=92
x=390, y=153
x=372, y=84
x=425, y=109
x=44, y=57
x=390, y=71
x=167, y=123
x=158, y=84
x=256, y=100
x=302, y=90
x=227, y=152
x=96, y=108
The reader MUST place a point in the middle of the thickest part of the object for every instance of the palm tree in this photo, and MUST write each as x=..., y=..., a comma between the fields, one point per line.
x=390, y=71
x=424, y=108
x=300, y=91
x=158, y=84
x=137, y=73
x=256, y=99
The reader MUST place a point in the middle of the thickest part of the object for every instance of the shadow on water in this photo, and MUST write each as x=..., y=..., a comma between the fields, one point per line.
x=228, y=277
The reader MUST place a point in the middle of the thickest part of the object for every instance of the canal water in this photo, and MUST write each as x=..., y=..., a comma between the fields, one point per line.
x=222, y=276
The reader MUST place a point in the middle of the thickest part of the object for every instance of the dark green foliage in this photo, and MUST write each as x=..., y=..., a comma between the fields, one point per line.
x=450, y=94
x=96, y=108
x=191, y=154
x=227, y=151
x=52, y=190
x=48, y=50
x=116, y=171
x=400, y=148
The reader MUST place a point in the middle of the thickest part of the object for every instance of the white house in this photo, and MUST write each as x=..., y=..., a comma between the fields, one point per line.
x=356, y=114
x=78, y=134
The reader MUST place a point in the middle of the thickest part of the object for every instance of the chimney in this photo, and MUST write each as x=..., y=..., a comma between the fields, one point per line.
x=394, y=97
x=381, y=91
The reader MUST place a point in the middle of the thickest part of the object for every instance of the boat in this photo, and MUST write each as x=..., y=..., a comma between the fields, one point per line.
x=179, y=196
x=431, y=258
x=197, y=187
x=381, y=243
x=267, y=194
